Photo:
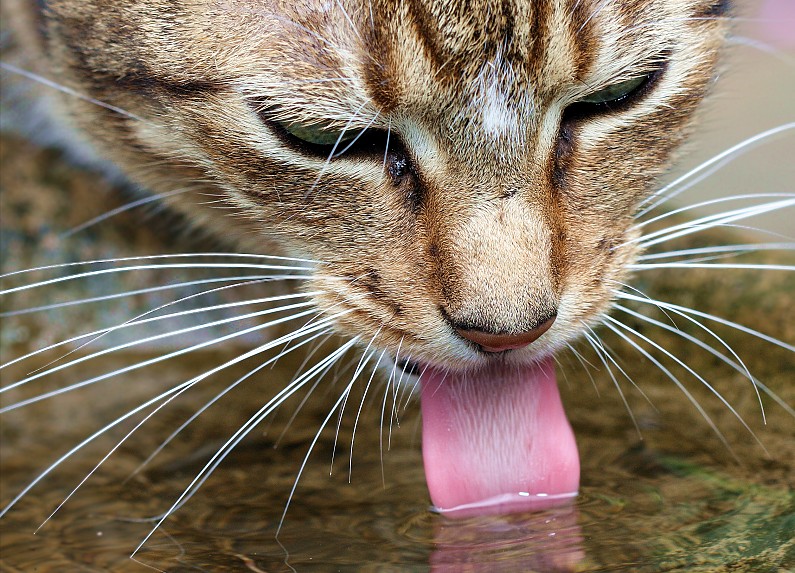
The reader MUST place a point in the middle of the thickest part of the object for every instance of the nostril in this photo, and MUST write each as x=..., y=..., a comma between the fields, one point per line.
x=490, y=342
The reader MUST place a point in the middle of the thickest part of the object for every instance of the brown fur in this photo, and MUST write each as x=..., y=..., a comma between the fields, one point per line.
x=498, y=206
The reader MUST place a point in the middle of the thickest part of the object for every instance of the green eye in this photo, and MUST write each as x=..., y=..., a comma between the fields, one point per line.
x=616, y=91
x=317, y=135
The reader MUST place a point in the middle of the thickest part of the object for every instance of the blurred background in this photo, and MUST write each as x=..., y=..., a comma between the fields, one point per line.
x=756, y=92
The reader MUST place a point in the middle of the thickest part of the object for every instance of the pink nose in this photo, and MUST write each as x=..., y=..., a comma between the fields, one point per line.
x=500, y=342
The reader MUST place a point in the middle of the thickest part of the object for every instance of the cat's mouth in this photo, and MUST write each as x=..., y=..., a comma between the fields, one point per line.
x=496, y=439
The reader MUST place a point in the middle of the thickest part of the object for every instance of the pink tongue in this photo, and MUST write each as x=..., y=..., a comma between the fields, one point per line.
x=497, y=441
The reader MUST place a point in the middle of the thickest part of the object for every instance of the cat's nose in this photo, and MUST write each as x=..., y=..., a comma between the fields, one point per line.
x=491, y=342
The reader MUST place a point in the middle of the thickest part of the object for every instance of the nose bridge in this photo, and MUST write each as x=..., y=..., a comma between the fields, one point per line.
x=498, y=267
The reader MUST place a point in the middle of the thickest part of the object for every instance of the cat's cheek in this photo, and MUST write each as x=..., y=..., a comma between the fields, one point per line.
x=596, y=267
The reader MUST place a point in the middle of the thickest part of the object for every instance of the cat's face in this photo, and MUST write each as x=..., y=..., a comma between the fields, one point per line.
x=502, y=146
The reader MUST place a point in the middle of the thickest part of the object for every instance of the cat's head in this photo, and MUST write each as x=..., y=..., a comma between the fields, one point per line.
x=463, y=167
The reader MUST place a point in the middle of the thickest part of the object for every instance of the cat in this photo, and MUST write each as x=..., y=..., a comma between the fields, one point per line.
x=459, y=181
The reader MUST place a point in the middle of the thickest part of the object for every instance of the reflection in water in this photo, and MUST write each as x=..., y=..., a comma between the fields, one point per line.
x=678, y=502
x=547, y=541
x=662, y=506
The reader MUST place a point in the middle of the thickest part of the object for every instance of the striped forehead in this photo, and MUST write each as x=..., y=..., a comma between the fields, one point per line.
x=492, y=61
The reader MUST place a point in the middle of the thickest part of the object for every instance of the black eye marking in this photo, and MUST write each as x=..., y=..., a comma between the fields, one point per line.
x=385, y=147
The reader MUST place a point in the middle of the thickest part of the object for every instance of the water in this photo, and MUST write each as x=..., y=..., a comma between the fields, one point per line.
x=678, y=499
x=675, y=501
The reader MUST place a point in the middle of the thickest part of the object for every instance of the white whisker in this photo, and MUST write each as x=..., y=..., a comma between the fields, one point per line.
x=358, y=135
x=739, y=366
x=241, y=432
x=708, y=222
x=131, y=293
x=692, y=265
x=365, y=358
x=168, y=256
x=586, y=366
x=606, y=352
x=123, y=208
x=708, y=203
x=696, y=375
x=741, y=147
x=599, y=351
x=151, y=360
x=305, y=399
x=223, y=393
x=183, y=387
x=675, y=380
x=333, y=151
x=359, y=412
x=139, y=321
x=764, y=47
x=323, y=424
x=686, y=310
x=67, y=90
x=730, y=249
x=203, y=266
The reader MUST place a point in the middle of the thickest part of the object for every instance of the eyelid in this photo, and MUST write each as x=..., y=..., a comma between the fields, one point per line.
x=584, y=109
x=318, y=135
x=616, y=91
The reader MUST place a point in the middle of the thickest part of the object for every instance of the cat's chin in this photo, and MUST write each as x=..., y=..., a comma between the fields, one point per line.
x=495, y=438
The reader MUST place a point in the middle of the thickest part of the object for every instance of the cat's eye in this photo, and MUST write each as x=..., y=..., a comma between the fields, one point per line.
x=615, y=92
x=318, y=135
x=613, y=98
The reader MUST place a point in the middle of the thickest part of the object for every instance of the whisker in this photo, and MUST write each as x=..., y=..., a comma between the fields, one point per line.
x=333, y=151
x=708, y=222
x=79, y=446
x=309, y=393
x=696, y=375
x=131, y=268
x=67, y=90
x=764, y=47
x=250, y=279
x=323, y=424
x=348, y=18
x=586, y=365
x=273, y=404
x=167, y=256
x=355, y=139
x=675, y=380
x=691, y=265
x=599, y=352
x=410, y=393
x=345, y=299
x=730, y=249
x=182, y=388
x=365, y=358
x=241, y=432
x=739, y=366
x=743, y=146
x=386, y=146
x=124, y=208
x=359, y=412
x=137, y=321
x=139, y=318
x=394, y=414
x=687, y=310
x=151, y=360
x=606, y=351
x=224, y=392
